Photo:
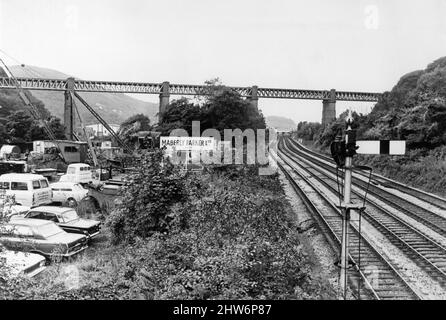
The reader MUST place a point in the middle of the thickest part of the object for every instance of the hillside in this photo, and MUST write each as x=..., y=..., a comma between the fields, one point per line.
x=11, y=102
x=113, y=107
x=414, y=110
x=280, y=123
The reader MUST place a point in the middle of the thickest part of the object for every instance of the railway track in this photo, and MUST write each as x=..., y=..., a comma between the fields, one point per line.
x=391, y=284
x=379, y=179
x=415, y=211
x=426, y=252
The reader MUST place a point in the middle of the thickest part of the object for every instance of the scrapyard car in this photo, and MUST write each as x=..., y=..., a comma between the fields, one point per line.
x=42, y=237
x=110, y=189
x=67, y=219
x=10, y=210
x=28, y=189
x=68, y=192
x=107, y=194
x=15, y=263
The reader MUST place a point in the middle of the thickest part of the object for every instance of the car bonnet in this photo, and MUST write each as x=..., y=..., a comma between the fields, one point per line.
x=18, y=261
x=82, y=223
x=65, y=237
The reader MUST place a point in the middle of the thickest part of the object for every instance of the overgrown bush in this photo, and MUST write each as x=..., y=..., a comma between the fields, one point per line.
x=147, y=199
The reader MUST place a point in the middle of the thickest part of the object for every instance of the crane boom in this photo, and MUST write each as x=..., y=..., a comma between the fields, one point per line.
x=90, y=145
x=103, y=122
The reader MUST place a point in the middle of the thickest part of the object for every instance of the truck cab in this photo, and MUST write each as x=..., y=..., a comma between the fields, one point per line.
x=78, y=173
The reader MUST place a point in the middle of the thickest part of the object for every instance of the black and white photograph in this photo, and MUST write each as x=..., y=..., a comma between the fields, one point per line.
x=222, y=158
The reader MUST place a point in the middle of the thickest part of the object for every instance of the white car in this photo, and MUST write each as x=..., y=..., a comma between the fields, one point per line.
x=14, y=263
x=68, y=192
x=28, y=189
x=12, y=210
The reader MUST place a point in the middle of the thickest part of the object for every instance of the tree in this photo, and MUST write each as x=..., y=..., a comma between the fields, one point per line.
x=414, y=110
x=432, y=84
x=226, y=109
x=330, y=131
x=308, y=130
x=137, y=122
x=11, y=102
x=212, y=88
x=424, y=126
x=147, y=200
x=140, y=121
x=56, y=126
x=21, y=127
x=3, y=134
x=180, y=114
x=219, y=108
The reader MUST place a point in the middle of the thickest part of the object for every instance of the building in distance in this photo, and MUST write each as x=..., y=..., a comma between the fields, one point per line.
x=98, y=130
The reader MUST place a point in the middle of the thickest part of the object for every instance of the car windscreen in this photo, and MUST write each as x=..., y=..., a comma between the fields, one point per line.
x=69, y=216
x=44, y=183
x=48, y=230
x=71, y=170
x=111, y=187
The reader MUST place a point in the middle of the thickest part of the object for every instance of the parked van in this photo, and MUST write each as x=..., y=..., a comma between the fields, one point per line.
x=29, y=189
x=78, y=173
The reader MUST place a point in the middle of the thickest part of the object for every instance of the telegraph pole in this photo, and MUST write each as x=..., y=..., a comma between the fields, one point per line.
x=350, y=150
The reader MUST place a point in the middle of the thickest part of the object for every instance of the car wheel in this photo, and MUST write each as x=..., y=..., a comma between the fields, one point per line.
x=72, y=203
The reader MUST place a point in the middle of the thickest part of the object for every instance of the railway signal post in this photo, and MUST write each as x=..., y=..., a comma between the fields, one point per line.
x=343, y=152
x=350, y=150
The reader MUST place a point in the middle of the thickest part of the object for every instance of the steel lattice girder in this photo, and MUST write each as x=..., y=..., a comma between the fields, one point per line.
x=180, y=89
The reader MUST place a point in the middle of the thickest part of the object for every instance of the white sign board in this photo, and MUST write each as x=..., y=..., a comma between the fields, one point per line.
x=188, y=143
x=390, y=147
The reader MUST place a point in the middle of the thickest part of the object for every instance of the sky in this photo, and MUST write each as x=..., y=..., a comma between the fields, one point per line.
x=348, y=45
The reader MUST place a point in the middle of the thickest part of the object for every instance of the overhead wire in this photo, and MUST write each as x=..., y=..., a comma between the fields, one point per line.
x=30, y=70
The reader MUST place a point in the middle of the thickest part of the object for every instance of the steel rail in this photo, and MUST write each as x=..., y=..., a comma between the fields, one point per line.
x=415, y=211
x=324, y=226
x=410, y=292
x=415, y=192
x=411, y=247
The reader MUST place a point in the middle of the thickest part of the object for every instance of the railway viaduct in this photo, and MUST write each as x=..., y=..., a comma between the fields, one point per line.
x=166, y=89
